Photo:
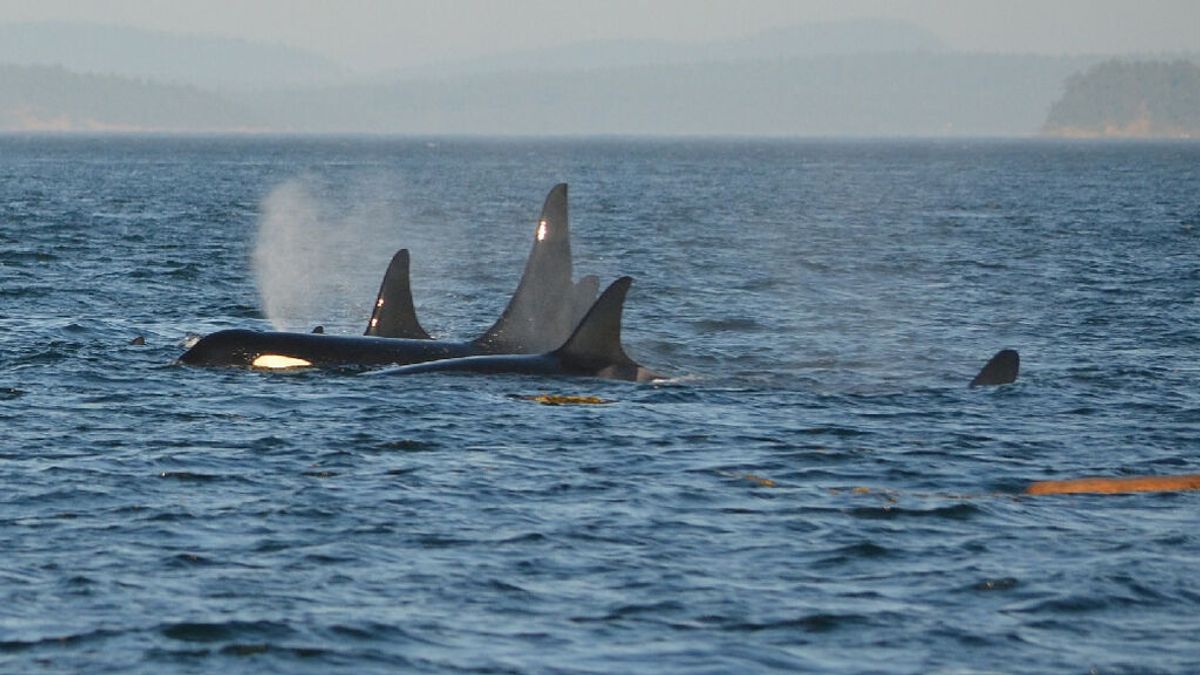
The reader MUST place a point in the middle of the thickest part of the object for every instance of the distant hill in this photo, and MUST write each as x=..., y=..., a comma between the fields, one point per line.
x=849, y=95
x=184, y=59
x=853, y=95
x=50, y=98
x=1129, y=99
x=864, y=36
x=860, y=78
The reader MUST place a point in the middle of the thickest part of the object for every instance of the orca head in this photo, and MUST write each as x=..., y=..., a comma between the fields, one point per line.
x=233, y=347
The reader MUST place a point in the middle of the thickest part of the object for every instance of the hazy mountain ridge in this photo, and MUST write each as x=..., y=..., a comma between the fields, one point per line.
x=815, y=80
x=167, y=57
x=51, y=98
x=867, y=36
x=859, y=95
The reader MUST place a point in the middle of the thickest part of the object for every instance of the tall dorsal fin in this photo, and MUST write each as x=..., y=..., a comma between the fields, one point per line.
x=394, y=315
x=1001, y=369
x=539, y=316
x=596, y=342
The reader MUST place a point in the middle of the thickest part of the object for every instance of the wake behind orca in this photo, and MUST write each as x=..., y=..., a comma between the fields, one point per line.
x=543, y=310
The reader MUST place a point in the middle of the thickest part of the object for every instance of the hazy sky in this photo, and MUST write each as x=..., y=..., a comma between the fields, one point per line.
x=386, y=34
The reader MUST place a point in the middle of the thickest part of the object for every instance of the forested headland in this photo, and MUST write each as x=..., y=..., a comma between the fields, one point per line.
x=1129, y=99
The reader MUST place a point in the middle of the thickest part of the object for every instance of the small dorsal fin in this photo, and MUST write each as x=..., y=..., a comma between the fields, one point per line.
x=1001, y=369
x=539, y=316
x=596, y=342
x=394, y=315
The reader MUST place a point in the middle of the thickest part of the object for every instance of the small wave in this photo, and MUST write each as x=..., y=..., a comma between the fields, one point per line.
x=441, y=541
x=187, y=560
x=57, y=640
x=843, y=432
x=632, y=611
x=744, y=325
x=409, y=445
x=812, y=623
x=17, y=257
x=865, y=549
x=227, y=630
x=523, y=538
x=237, y=649
x=192, y=476
x=999, y=584
x=961, y=511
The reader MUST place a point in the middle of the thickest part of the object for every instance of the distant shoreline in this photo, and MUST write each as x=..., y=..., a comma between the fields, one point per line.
x=1119, y=133
x=1055, y=136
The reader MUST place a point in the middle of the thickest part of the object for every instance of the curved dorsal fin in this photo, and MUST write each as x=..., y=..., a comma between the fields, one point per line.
x=394, y=315
x=539, y=316
x=1001, y=369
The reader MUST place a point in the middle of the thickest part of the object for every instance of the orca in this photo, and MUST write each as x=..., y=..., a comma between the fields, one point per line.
x=246, y=348
x=1000, y=369
x=543, y=310
x=593, y=350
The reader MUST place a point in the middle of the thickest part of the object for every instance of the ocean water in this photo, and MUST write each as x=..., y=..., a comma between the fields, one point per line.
x=815, y=489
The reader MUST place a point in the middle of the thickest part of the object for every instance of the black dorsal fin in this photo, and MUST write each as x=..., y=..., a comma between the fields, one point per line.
x=539, y=316
x=596, y=343
x=394, y=315
x=1001, y=369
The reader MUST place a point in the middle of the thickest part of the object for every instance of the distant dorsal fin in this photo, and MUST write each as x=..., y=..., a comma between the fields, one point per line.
x=596, y=342
x=394, y=315
x=540, y=316
x=583, y=296
x=1001, y=369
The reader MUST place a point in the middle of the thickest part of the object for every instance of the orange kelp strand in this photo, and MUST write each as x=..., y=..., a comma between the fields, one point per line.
x=1112, y=486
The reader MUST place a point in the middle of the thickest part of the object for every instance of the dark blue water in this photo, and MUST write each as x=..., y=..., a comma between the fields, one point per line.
x=817, y=489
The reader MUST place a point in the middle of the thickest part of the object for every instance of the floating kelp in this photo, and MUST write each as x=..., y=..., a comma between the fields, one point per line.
x=1113, y=486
